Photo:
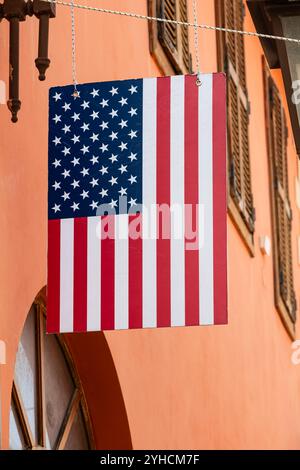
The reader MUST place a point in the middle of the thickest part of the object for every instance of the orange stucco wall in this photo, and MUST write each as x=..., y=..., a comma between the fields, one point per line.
x=231, y=387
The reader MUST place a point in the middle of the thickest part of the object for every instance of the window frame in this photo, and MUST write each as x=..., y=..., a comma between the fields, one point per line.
x=286, y=317
x=223, y=64
x=77, y=403
x=167, y=62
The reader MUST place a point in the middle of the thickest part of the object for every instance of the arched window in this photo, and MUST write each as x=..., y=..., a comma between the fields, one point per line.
x=48, y=408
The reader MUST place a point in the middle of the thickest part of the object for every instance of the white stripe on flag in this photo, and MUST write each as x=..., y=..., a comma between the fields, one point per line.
x=206, y=260
x=66, y=274
x=177, y=202
x=94, y=274
x=149, y=200
x=121, y=272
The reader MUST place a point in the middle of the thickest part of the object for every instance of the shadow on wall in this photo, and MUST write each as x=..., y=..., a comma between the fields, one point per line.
x=101, y=386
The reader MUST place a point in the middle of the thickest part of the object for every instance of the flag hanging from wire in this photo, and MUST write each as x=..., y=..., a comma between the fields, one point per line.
x=137, y=204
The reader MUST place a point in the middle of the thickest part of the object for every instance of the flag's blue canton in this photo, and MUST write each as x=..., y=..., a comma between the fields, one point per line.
x=95, y=148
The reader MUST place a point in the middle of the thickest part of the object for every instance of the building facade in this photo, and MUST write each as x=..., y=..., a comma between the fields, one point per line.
x=226, y=387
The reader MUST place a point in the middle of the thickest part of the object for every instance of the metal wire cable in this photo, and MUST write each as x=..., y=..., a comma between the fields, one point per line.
x=75, y=94
x=196, y=40
x=180, y=23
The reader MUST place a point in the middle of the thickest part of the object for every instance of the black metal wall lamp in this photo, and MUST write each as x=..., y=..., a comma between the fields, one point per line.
x=15, y=11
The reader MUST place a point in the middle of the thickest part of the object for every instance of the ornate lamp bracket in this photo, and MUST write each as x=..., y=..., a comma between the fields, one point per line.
x=15, y=11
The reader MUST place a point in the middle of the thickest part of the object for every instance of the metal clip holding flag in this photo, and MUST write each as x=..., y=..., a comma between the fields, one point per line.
x=196, y=41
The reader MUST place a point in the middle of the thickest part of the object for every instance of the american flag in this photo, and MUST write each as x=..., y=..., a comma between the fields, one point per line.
x=137, y=204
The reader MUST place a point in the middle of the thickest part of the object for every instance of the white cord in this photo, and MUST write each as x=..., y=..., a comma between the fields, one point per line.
x=180, y=23
x=75, y=93
x=196, y=39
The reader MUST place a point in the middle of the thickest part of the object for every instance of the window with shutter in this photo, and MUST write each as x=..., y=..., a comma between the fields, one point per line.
x=277, y=134
x=230, y=14
x=169, y=43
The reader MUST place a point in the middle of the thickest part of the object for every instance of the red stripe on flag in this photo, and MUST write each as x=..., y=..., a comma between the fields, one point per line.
x=53, y=286
x=191, y=197
x=163, y=248
x=219, y=197
x=135, y=268
x=108, y=274
x=80, y=274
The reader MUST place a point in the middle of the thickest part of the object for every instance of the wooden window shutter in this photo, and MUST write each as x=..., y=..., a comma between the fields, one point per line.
x=231, y=49
x=281, y=208
x=169, y=43
x=238, y=114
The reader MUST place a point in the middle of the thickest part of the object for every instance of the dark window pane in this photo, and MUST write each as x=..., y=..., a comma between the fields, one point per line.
x=77, y=439
x=59, y=387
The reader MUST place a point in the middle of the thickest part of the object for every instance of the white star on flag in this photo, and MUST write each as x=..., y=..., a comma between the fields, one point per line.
x=57, y=96
x=56, y=208
x=94, y=93
x=66, y=107
x=114, y=91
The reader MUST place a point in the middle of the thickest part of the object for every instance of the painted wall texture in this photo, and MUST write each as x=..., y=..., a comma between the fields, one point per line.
x=231, y=387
